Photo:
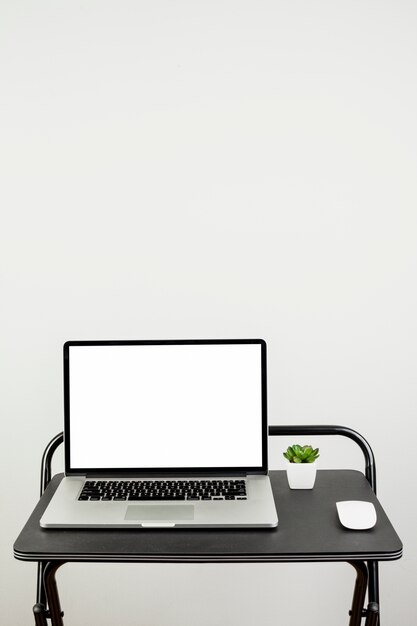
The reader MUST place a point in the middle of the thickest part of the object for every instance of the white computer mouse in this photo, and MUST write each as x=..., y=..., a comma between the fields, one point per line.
x=356, y=514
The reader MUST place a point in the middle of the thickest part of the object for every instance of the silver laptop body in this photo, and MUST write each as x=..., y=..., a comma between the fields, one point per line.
x=164, y=434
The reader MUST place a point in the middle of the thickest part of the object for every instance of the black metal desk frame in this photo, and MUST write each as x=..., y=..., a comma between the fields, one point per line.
x=367, y=581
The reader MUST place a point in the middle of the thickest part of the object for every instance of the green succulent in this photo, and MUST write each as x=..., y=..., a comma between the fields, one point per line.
x=301, y=454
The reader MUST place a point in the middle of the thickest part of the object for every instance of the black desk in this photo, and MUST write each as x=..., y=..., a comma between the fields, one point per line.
x=308, y=530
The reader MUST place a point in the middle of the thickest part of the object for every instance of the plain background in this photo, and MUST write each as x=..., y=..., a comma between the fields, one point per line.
x=180, y=169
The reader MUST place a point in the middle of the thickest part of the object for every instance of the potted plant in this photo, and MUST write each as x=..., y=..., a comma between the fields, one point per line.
x=302, y=466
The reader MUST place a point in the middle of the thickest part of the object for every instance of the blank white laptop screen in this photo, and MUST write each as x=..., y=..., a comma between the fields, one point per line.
x=165, y=406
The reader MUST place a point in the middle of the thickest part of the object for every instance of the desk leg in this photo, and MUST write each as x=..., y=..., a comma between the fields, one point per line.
x=359, y=593
x=40, y=590
x=372, y=616
x=39, y=613
x=373, y=586
x=55, y=613
x=39, y=610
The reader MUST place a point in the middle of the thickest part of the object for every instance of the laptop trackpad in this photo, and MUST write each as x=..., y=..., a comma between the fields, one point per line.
x=159, y=512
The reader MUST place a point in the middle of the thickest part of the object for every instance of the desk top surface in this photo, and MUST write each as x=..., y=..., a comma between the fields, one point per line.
x=308, y=530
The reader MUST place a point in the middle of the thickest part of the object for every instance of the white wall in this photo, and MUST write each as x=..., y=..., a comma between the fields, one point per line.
x=212, y=169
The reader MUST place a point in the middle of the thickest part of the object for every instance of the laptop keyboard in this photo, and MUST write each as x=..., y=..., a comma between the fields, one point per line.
x=163, y=490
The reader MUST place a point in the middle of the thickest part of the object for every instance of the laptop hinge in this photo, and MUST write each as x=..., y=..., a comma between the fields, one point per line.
x=179, y=474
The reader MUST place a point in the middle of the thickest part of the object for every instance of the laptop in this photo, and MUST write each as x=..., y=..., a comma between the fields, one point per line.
x=164, y=434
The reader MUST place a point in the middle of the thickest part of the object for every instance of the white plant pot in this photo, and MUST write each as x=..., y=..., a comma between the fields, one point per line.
x=301, y=475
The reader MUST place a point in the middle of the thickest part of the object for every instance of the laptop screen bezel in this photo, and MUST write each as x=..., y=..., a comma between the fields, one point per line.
x=177, y=471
